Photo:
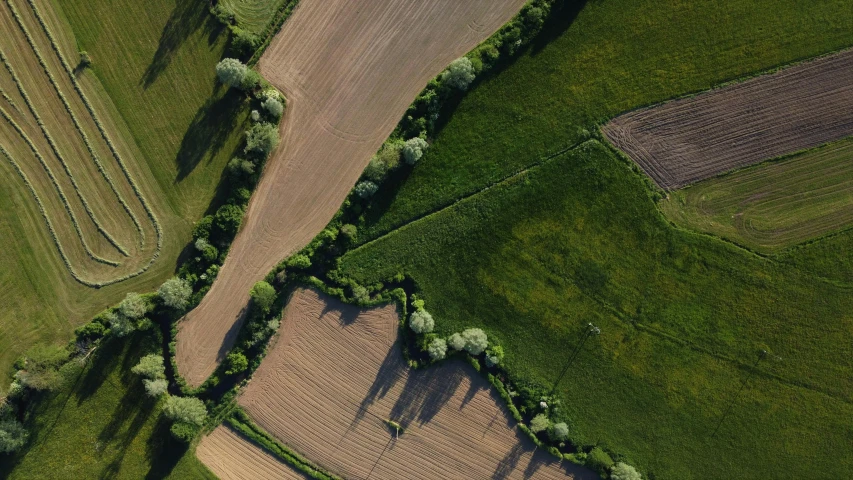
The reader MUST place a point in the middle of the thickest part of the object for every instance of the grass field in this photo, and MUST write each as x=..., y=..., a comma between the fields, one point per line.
x=253, y=15
x=775, y=204
x=578, y=240
x=152, y=86
x=104, y=426
x=612, y=57
x=683, y=317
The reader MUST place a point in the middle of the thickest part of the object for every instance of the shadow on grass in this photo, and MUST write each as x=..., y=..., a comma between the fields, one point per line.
x=163, y=451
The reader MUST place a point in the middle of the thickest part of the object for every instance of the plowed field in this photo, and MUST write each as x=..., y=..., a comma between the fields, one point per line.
x=349, y=71
x=232, y=456
x=336, y=374
x=691, y=139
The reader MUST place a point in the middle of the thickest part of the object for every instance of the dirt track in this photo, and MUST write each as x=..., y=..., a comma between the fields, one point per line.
x=683, y=141
x=230, y=455
x=335, y=374
x=349, y=70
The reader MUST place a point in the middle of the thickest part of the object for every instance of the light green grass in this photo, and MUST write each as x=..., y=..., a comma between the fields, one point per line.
x=775, y=204
x=253, y=15
x=104, y=427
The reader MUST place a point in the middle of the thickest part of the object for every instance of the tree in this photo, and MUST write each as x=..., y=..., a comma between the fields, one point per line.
x=376, y=170
x=476, y=340
x=263, y=294
x=494, y=356
x=459, y=74
x=175, y=293
x=41, y=367
x=413, y=150
x=437, y=349
x=261, y=139
x=231, y=72
x=150, y=366
x=366, y=188
x=243, y=41
x=120, y=326
x=539, y=423
x=559, y=432
x=349, y=231
x=273, y=106
x=421, y=322
x=185, y=410
x=155, y=388
x=227, y=220
x=134, y=306
x=623, y=471
x=13, y=436
x=236, y=362
x=184, y=432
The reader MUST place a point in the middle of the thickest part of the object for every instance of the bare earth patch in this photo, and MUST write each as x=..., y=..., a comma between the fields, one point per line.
x=349, y=71
x=336, y=374
x=232, y=456
x=680, y=142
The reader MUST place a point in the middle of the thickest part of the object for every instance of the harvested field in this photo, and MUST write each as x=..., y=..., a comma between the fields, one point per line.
x=773, y=205
x=681, y=142
x=346, y=92
x=230, y=455
x=335, y=375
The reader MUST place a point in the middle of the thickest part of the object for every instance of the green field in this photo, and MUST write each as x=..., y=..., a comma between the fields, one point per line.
x=775, y=204
x=104, y=426
x=152, y=83
x=578, y=239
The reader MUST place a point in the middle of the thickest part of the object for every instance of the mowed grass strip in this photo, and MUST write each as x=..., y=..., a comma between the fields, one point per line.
x=254, y=15
x=683, y=318
x=772, y=205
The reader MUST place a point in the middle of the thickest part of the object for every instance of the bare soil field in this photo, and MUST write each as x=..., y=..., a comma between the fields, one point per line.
x=349, y=71
x=231, y=456
x=336, y=374
x=683, y=141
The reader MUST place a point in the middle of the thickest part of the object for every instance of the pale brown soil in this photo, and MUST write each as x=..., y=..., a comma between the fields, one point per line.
x=335, y=374
x=349, y=71
x=680, y=142
x=231, y=456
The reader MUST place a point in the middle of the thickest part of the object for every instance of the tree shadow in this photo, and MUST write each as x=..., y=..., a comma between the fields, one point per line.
x=425, y=393
x=163, y=451
x=390, y=372
x=209, y=130
x=563, y=15
x=507, y=464
x=347, y=313
x=186, y=18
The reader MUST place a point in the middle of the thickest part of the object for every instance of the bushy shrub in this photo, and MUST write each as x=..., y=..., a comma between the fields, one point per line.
x=156, y=387
x=456, y=342
x=231, y=72
x=273, y=106
x=227, y=221
x=420, y=321
x=559, y=432
x=202, y=227
x=350, y=232
x=539, y=423
x=599, y=461
x=40, y=369
x=175, y=293
x=389, y=155
x=185, y=410
x=255, y=115
x=413, y=150
x=250, y=81
x=244, y=42
x=366, y=188
x=360, y=293
x=376, y=170
x=90, y=331
x=223, y=13
x=623, y=471
x=263, y=295
x=300, y=261
x=459, y=74
x=494, y=355
x=476, y=340
x=85, y=59
x=150, y=366
x=184, y=431
x=437, y=349
x=134, y=306
x=236, y=363
x=13, y=436
x=120, y=326
x=261, y=139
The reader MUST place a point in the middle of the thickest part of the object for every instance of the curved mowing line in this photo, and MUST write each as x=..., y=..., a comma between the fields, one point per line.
x=58, y=189
x=104, y=135
x=50, y=141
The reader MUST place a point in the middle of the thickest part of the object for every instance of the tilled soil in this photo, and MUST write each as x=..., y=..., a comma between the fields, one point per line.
x=683, y=141
x=349, y=70
x=231, y=456
x=335, y=375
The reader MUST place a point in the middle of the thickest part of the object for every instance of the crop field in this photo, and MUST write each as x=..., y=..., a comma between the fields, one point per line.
x=336, y=375
x=691, y=139
x=231, y=456
x=339, y=112
x=103, y=168
x=773, y=205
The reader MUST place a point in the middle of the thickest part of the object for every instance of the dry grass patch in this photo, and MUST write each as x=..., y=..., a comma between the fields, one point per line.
x=349, y=74
x=691, y=139
x=336, y=376
x=232, y=456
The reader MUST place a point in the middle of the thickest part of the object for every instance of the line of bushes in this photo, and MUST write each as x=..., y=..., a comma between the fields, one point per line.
x=245, y=43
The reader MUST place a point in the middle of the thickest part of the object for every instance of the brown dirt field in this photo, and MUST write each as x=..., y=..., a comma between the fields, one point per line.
x=335, y=374
x=680, y=142
x=349, y=71
x=230, y=455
